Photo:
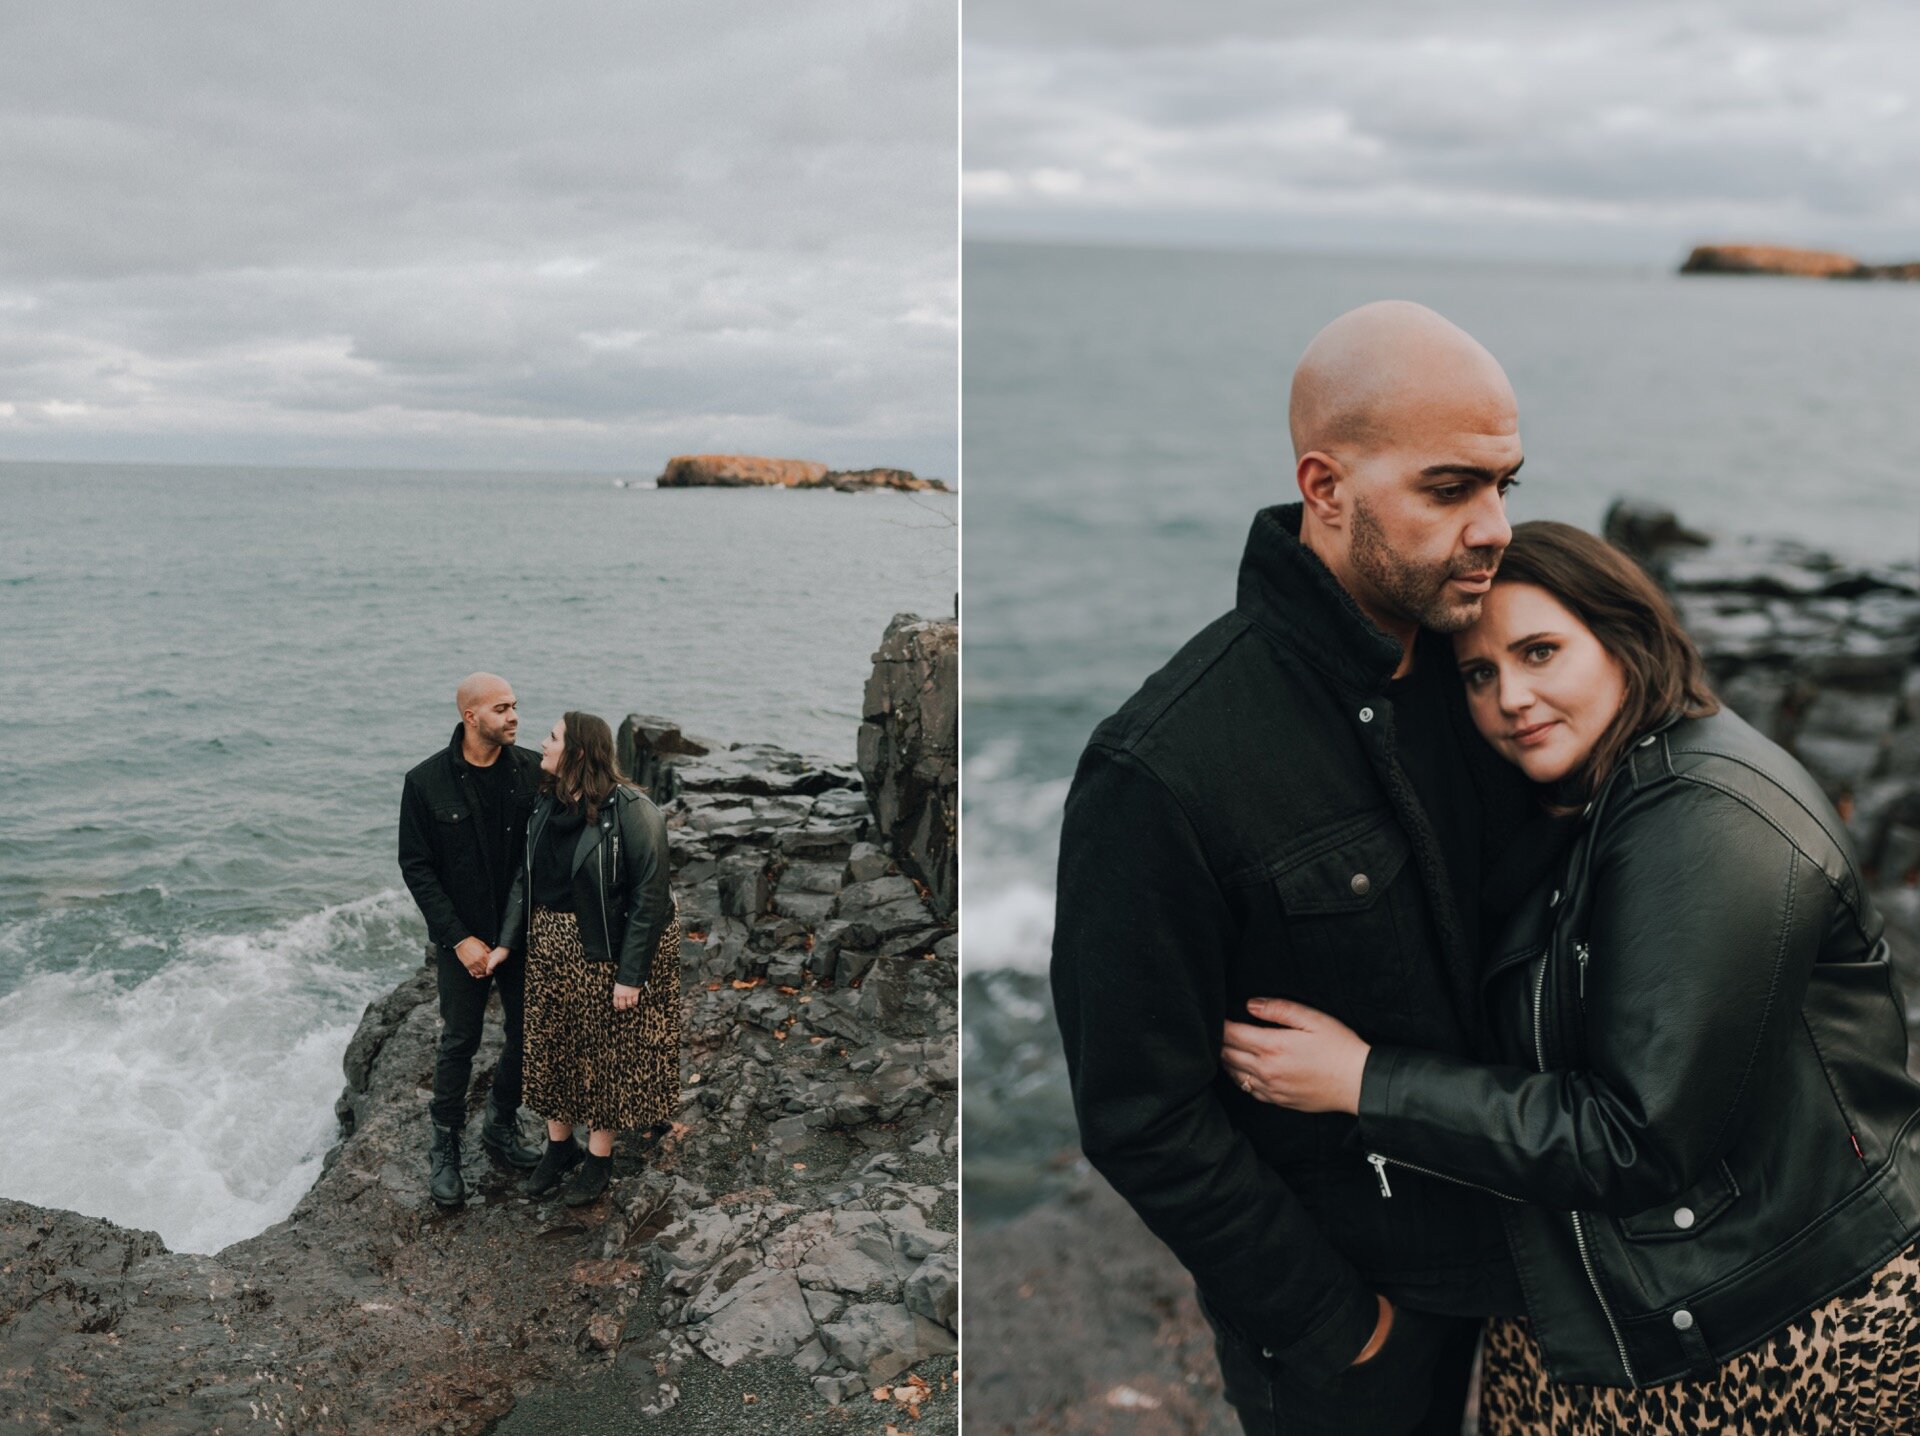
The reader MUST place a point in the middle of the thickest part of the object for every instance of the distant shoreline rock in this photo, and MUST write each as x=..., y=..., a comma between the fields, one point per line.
x=1785, y=260
x=749, y=471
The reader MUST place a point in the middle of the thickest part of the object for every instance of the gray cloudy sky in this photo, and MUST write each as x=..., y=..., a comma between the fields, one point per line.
x=1629, y=129
x=578, y=235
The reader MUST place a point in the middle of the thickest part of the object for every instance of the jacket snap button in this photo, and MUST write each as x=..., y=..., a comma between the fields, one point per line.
x=1360, y=884
x=1267, y=1351
x=1683, y=1320
x=1647, y=742
x=1554, y=901
x=1366, y=715
x=1683, y=1218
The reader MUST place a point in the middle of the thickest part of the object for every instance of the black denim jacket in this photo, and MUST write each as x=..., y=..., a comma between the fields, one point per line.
x=1242, y=827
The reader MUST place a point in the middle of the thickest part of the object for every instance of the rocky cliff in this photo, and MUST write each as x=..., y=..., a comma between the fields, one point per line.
x=1821, y=654
x=786, y=1249
x=1783, y=259
x=740, y=471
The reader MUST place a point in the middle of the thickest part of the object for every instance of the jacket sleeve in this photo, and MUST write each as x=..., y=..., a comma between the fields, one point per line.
x=513, y=917
x=1704, y=925
x=1141, y=941
x=647, y=869
x=444, y=927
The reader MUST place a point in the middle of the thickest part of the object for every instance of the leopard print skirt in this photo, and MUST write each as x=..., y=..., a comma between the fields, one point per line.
x=585, y=1063
x=1850, y=1368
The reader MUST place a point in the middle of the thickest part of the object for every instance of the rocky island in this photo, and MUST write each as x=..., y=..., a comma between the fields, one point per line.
x=1821, y=655
x=746, y=471
x=783, y=1259
x=1783, y=259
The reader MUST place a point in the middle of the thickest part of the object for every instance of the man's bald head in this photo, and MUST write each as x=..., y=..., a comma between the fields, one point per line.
x=1382, y=368
x=488, y=708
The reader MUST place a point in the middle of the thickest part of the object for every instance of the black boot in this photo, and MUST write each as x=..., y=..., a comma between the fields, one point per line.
x=589, y=1184
x=445, y=1184
x=501, y=1138
x=560, y=1158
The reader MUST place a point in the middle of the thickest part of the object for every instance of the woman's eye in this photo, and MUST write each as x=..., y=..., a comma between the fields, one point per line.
x=1540, y=652
x=1477, y=677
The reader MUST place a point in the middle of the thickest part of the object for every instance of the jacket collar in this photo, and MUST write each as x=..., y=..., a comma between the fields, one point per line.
x=1295, y=600
x=590, y=833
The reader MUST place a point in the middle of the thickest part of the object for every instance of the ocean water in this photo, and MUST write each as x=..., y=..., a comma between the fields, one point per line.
x=1125, y=415
x=218, y=678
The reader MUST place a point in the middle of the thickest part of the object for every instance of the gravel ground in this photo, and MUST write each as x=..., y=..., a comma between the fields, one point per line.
x=713, y=1403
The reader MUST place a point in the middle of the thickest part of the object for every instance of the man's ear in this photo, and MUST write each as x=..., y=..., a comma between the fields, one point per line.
x=1320, y=478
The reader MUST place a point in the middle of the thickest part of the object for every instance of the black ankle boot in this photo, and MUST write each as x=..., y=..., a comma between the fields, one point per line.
x=589, y=1184
x=444, y=1182
x=559, y=1158
x=501, y=1138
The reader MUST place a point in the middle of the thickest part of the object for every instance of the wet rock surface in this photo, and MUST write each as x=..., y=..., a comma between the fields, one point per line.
x=910, y=750
x=1822, y=655
x=784, y=1254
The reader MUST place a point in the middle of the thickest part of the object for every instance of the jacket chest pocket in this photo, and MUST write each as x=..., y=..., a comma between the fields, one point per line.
x=1352, y=913
x=458, y=813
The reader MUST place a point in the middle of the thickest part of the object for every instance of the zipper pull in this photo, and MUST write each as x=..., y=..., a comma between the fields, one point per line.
x=1379, y=1164
x=1580, y=952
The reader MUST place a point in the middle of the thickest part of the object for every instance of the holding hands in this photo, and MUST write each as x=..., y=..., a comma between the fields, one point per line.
x=1307, y=1060
x=472, y=954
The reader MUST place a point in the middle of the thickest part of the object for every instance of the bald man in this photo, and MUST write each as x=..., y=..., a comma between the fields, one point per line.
x=463, y=833
x=1295, y=807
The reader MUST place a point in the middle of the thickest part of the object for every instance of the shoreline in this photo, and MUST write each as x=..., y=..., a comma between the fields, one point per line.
x=801, y=1218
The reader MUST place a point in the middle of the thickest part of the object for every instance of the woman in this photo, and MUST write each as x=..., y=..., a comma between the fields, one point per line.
x=593, y=907
x=1706, y=1123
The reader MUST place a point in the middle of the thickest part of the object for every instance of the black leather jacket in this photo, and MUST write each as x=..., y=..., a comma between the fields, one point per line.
x=621, y=892
x=1708, y=1126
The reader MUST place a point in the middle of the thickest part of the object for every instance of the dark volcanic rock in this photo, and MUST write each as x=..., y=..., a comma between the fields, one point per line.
x=910, y=754
x=798, y=1218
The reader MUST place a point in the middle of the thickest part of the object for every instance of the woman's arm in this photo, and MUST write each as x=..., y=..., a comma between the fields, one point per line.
x=647, y=867
x=1705, y=922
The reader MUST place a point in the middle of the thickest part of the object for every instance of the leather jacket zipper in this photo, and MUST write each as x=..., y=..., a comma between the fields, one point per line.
x=606, y=930
x=1379, y=1165
x=1579, y=1228
x=1581, y=954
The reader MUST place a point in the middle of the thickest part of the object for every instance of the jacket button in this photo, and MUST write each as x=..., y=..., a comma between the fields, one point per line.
x=1683, y=1218
x=1647, y=742
x=1366, y=715
x=1360, y=884
x=1267, y=1351
x=1554, y=901
x=1683, y=1320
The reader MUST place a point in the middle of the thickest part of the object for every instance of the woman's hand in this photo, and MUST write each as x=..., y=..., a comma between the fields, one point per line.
x=1310, y=1062
x=625, y=997
x=496, y=957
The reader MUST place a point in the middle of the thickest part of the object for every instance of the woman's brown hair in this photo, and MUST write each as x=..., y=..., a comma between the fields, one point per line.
x=589, y=769
x=1613, y=596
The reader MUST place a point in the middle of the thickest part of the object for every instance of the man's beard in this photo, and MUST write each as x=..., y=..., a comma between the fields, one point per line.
x=1416, y=592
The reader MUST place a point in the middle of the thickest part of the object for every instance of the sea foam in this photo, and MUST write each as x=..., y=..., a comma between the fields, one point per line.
x=196, y=1101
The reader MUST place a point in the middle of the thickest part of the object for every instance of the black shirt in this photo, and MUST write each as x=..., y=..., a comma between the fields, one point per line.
x=1428, y=745
x=553, y=861
x=492, y=787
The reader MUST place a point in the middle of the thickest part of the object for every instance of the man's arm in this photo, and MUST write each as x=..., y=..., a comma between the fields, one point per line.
x=444, y=927
x=1141, y=941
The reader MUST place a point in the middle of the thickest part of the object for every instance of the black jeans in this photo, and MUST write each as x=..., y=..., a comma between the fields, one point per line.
x=1415, y=1386
x=463, y=1007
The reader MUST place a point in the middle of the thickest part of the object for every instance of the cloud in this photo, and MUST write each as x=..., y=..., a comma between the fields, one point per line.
x=1496, y=125
x=577, y=235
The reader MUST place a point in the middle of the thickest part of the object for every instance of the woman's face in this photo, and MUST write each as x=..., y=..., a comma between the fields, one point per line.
x=1540, y=686
x=552, y=746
